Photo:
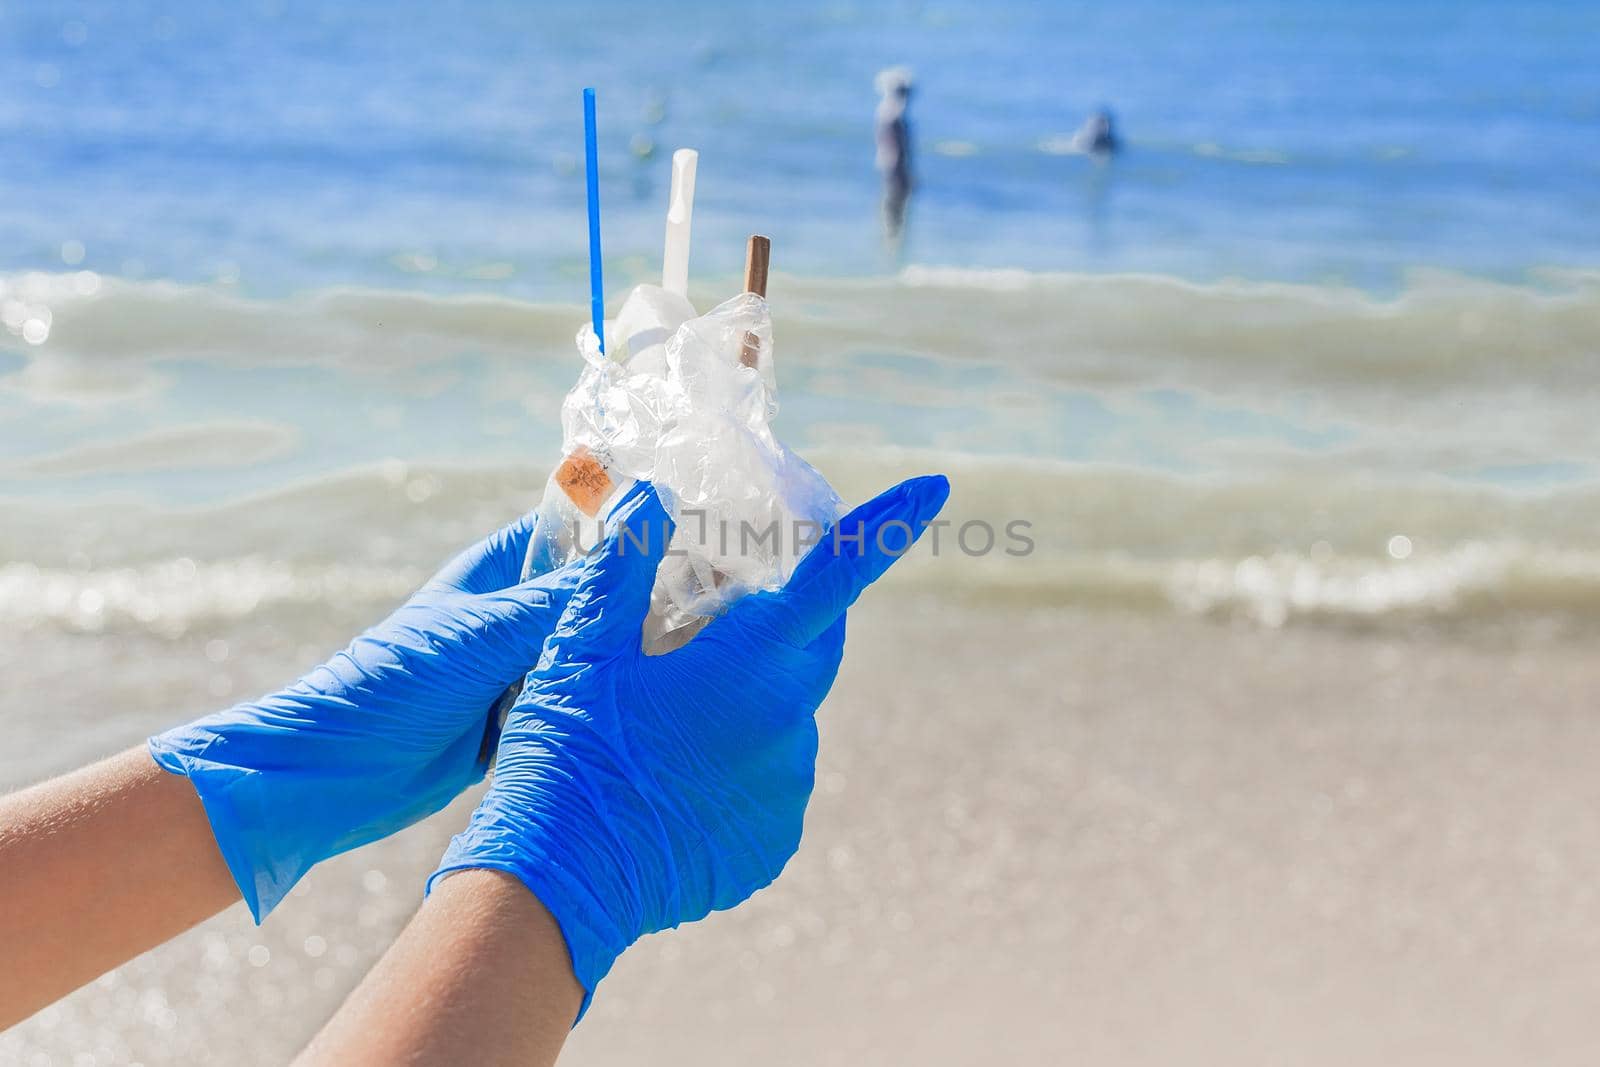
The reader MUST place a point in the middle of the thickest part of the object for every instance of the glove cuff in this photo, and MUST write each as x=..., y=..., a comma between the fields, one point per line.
x=232, y=803
x=281, y=798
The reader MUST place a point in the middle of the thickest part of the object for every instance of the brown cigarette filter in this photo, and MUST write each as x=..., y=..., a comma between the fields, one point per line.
x=584, y=480
x=757, y=256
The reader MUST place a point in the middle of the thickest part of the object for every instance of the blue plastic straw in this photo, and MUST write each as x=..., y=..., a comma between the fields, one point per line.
x=597, y=294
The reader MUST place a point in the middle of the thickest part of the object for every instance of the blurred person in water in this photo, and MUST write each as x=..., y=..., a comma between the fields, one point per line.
x=893, y=136
x=1098, y=135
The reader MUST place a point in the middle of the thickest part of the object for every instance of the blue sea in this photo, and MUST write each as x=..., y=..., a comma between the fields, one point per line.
x=1322, y=338
x=437, y=146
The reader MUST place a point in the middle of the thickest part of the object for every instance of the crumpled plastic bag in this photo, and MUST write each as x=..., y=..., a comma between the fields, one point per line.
x=674, y=403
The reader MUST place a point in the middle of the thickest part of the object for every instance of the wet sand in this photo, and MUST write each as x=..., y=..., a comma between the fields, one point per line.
x=1044, y=836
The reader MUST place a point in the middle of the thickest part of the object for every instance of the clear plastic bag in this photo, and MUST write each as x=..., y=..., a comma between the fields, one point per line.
x=685, y=402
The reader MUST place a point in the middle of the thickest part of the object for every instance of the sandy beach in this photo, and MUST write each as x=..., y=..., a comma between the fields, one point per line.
x=1100, y=837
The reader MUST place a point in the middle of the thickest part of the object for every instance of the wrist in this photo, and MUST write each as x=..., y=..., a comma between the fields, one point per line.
x=478, y=976
x=597, y=917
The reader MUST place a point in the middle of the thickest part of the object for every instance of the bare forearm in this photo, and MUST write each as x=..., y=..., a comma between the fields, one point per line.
x=481, y=975
x=96, y=867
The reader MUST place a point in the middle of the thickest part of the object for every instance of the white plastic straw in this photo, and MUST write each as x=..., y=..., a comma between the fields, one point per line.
x=680, y=210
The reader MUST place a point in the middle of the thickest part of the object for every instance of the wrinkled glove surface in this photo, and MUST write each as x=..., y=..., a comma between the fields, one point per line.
x=386, y=732
x=633, y=793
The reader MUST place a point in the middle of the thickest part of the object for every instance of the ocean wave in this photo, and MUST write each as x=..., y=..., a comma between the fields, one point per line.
x=1468, y=584
x=1472, y=581
x=1441, y=330
x=1346, y=420
x=86, y=337
x=1272, y=552
x=174, y=596
x=222, y=443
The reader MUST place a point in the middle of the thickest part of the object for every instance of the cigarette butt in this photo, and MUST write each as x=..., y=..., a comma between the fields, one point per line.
x=757, y=258
x=750, y=350
x=584, y=480
x=757, y=255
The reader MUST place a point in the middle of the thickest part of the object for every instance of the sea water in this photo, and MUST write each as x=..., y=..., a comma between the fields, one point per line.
x=285, y=147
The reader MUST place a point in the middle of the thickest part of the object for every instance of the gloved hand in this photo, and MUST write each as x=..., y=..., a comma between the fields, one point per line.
x=386, y=732
x=633, y=793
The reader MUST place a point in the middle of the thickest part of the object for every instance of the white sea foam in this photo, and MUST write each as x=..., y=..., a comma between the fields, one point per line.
x=172, y=596
x=1440, y=329
x=1471, y=583
x=1273, y=552
x=1473, y=580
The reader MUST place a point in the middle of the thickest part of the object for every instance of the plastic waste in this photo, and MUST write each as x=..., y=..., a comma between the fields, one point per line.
x=673, y=403
x=680, y=215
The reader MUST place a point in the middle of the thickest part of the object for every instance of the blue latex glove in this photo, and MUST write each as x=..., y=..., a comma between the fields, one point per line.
x=633, y=793
x=386, y=732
